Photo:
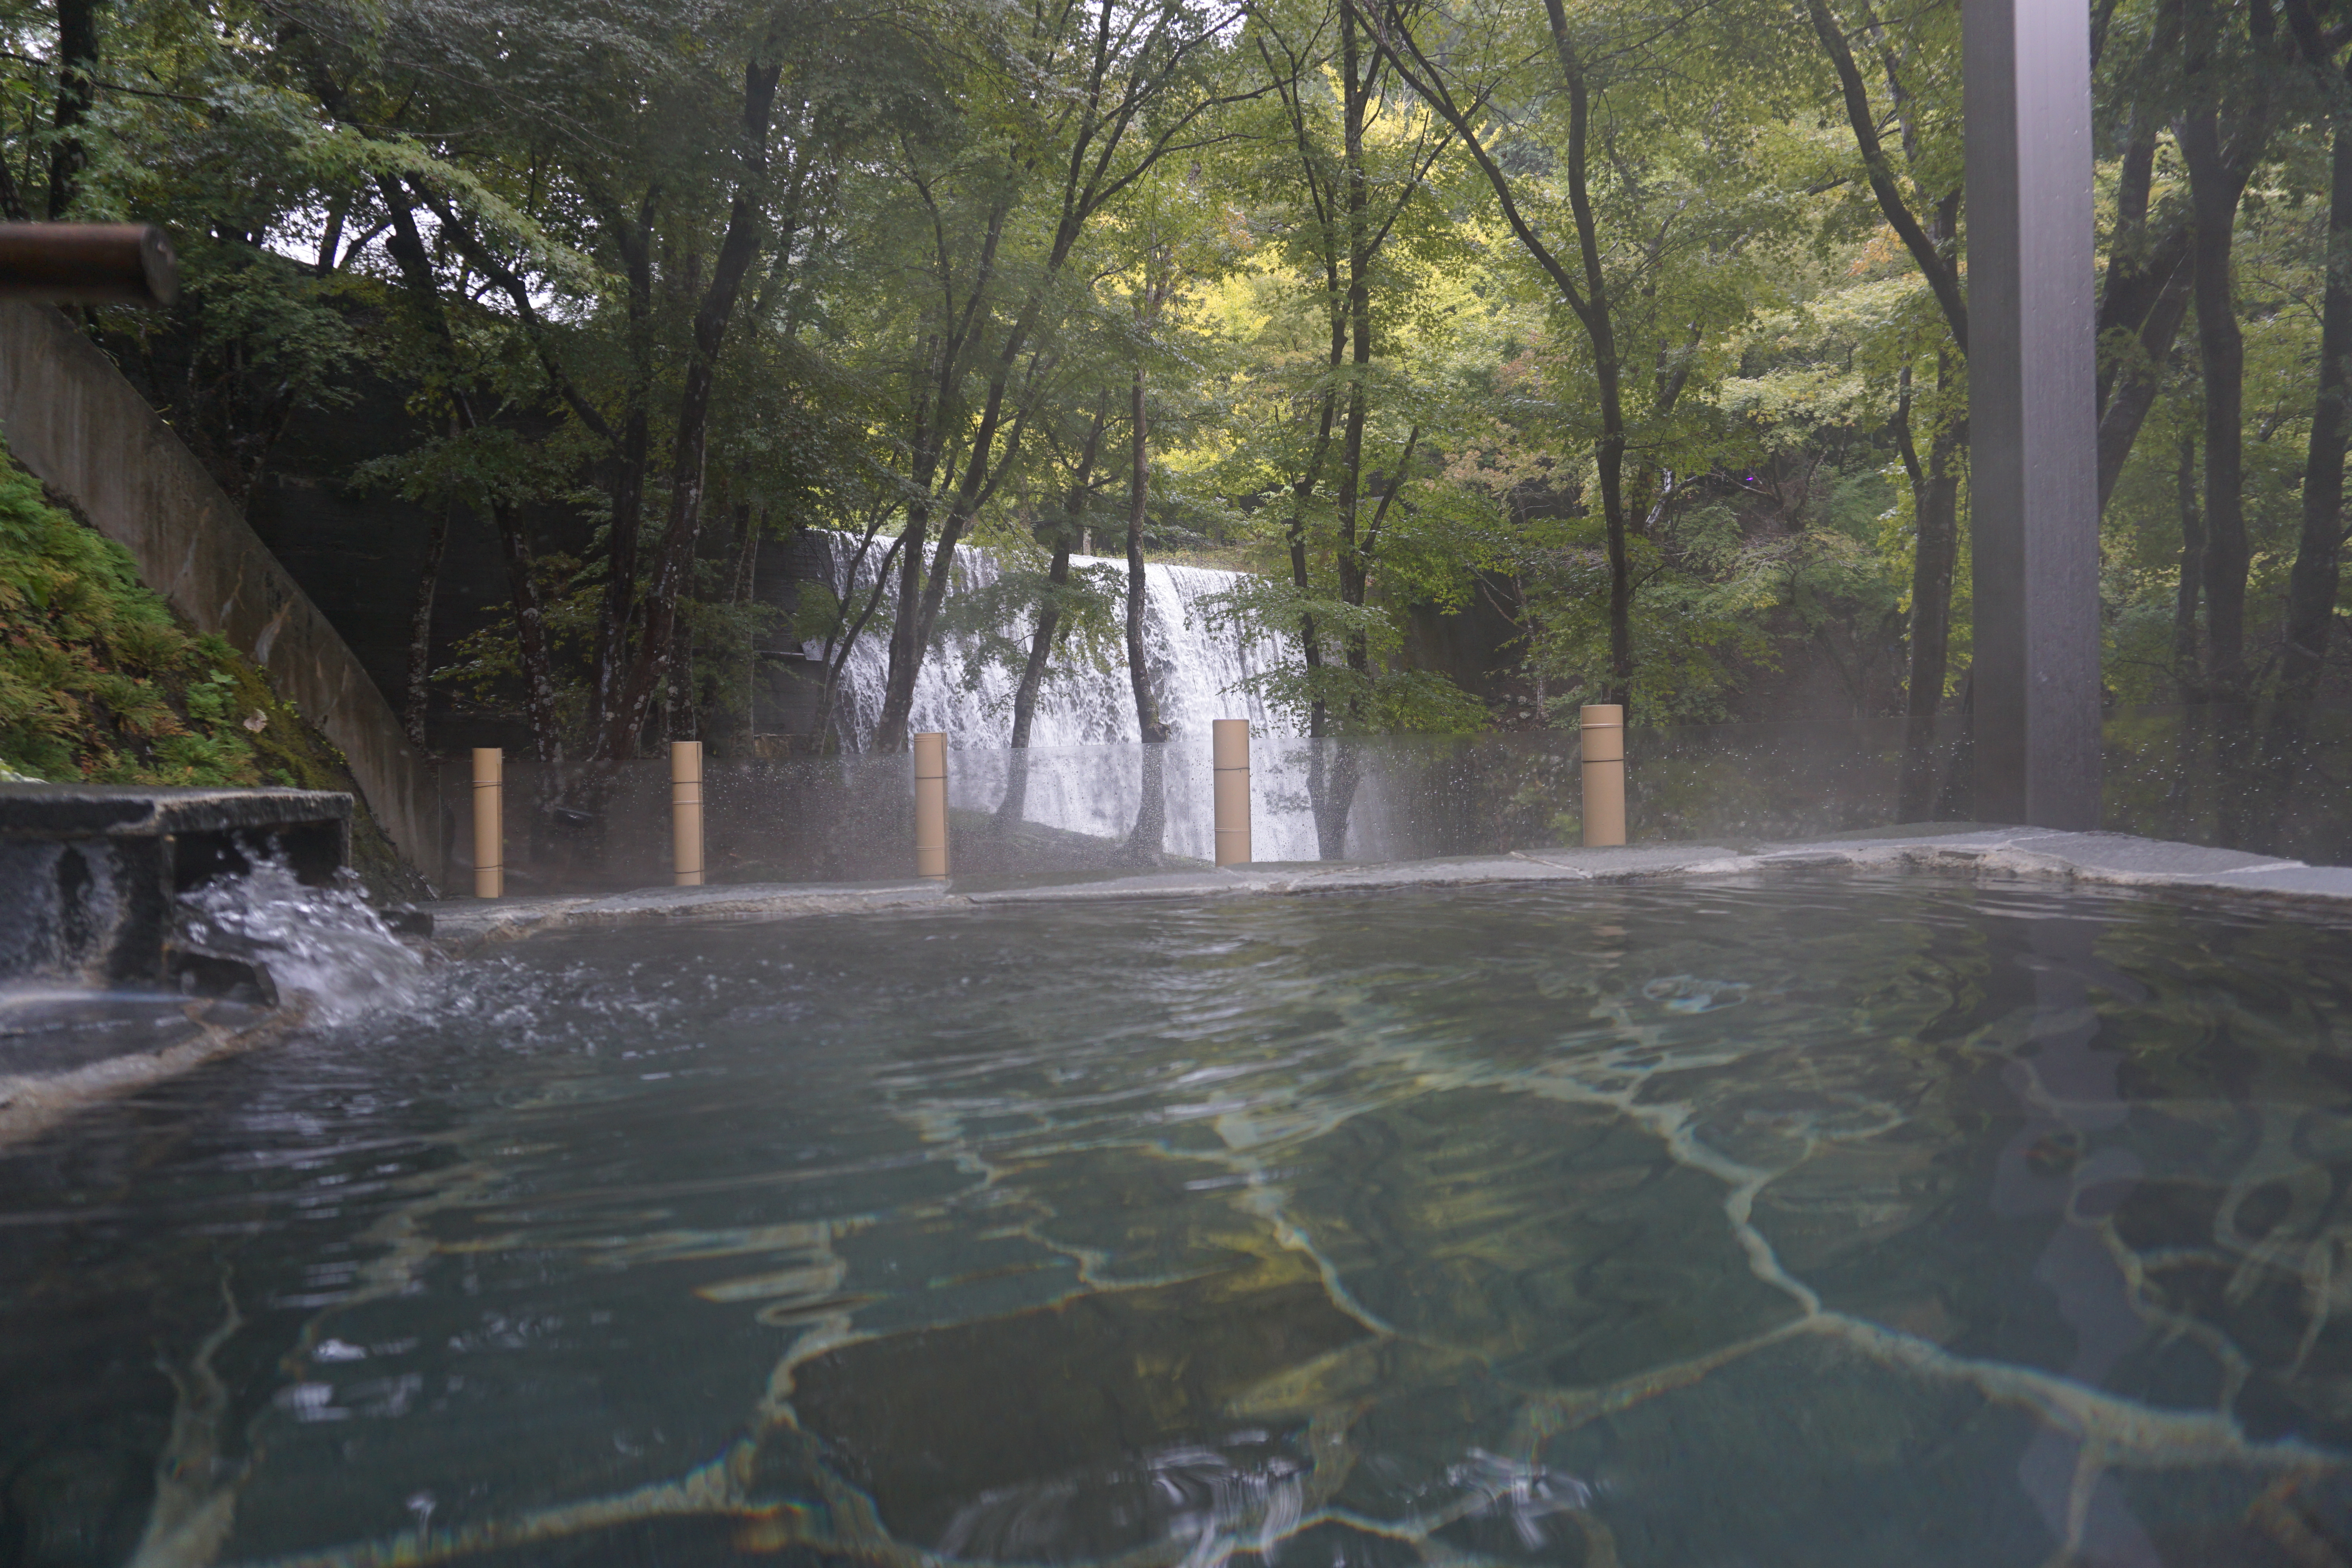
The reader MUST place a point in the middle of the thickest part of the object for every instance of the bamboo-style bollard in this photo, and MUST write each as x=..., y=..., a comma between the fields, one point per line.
x=1604, y=774
x=489, y=822
x=1229, y=747
x=686, y=813
x=932, y=807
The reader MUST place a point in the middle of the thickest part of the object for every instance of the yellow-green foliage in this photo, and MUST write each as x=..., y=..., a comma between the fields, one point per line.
x=98, y=682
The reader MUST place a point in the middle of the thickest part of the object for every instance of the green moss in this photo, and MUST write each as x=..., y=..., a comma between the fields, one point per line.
x=101, y=683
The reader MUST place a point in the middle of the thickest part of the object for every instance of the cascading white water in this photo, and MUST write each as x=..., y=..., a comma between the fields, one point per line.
x=1196, y=670
x=323, y=947
x=1197, y=664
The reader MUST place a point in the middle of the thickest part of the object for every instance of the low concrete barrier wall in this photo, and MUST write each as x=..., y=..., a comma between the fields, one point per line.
x=76, y=422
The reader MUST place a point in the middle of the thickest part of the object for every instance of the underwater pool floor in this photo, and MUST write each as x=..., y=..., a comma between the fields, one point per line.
x=1839, y=1220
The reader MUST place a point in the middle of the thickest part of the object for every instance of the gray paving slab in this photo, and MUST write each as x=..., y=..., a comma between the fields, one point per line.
x=1451, y=871
x=463, y=923
x=2120, y=857
x=2315, y=884
x=1895, y=846
x=1142, y=884
x=1628, y=861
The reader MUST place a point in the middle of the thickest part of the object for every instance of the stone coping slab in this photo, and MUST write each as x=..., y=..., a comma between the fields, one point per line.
x=463, y=923
x=2115, y=859
x=73, y=811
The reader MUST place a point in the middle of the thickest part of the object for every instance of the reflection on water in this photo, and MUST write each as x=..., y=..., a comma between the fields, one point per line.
x=1842, y=1221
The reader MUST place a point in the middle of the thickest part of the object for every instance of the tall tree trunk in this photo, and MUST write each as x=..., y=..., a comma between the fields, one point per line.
x=844, y=642
x=619, y=602
x=919, y=614
x=2221, y=151
x=1355, y=201
x=1015, y=803
x=1151, y=809
x=407, y=248
x=1041, y=645
x=1326, y=401
x=984, y=466
x=1335, y=768
x=905, y=646
x=2149, y=279
x=1104, y=111
x=936, y=374
x=1601, y=328
x=680, y=718
x=747, y=554
x=530, y=636
x=2188, y=673
x=1310, y=642
x=77, y=64
x=1936, y=494
x=1138, y=671
x=2135, y=387
x=2311, y=587
x=2221, y=352
x=1049, y=625
x=1587, y=297
x=674, y=563
x=417, y=698
x=1935, y=506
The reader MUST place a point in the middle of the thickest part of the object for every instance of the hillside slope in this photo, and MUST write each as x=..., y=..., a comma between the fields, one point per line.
x=101, y=683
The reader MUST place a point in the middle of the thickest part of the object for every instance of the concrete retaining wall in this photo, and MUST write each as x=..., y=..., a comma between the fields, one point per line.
x=74, y=421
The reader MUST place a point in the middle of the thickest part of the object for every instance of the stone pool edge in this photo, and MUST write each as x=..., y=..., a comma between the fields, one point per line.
x=2112, y=860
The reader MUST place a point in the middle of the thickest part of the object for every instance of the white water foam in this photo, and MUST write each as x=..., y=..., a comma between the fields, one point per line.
x=322, y=947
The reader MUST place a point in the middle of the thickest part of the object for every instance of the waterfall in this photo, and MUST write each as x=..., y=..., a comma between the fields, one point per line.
x=1083, y=768
x=1195, y=668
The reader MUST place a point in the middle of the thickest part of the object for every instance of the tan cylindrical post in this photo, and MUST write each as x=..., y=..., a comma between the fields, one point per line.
x=1229, y=747
x=932, y=807
x=686, y=813
x=1604, y=774
x=489, y=822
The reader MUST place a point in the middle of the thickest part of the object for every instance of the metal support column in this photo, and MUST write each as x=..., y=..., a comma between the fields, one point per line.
x=2033, y=516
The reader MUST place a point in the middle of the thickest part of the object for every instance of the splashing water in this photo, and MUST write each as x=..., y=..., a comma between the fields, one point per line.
x=322, y=945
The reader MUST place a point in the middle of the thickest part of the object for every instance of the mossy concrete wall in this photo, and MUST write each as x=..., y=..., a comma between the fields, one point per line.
x=72, y=420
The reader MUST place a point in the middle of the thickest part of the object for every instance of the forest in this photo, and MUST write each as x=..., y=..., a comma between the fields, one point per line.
x=1643, y=323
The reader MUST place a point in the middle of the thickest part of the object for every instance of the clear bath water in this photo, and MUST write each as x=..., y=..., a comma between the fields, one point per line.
x=1812, y=1222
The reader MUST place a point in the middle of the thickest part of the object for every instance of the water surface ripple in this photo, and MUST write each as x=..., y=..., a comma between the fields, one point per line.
x=1851, y=1221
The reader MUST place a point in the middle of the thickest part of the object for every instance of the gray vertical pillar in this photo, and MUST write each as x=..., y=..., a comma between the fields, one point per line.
x=2033, y=514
